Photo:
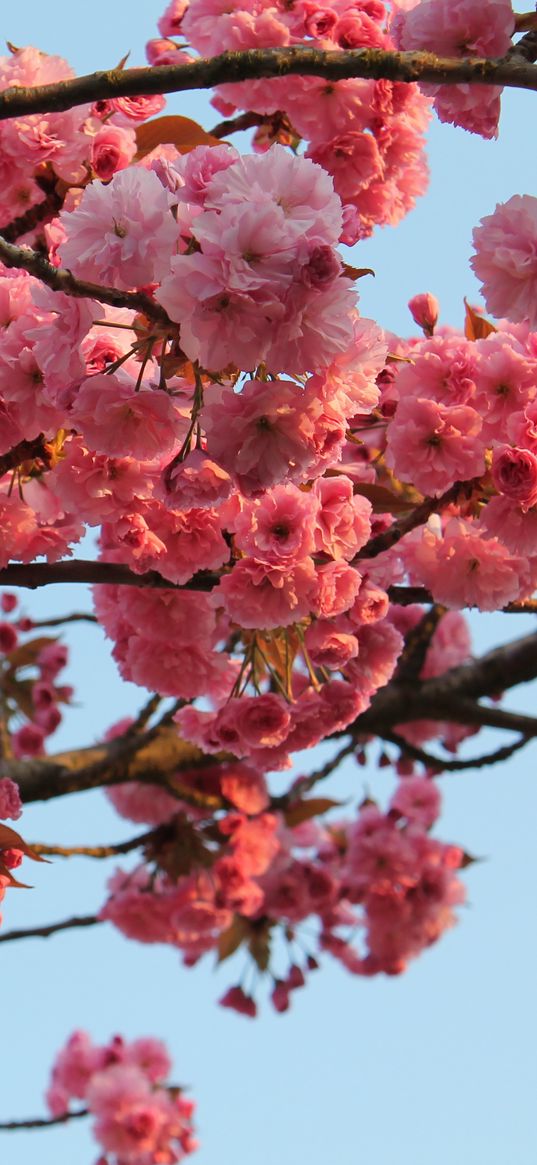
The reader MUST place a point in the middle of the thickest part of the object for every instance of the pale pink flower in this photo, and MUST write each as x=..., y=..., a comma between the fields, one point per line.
x=143, y=803
x=455, y=28
x=514, y=526
x=121, y=234
x=353, y=159
x=261, y=435
x=463, y=569
x=255, y=594
x=443, y=369
x=425, y=310
x=329, y=647
x=171, y=19
x=417, y=799
x=127, y=110
x=197, y=482
x=116, y=420
x=433, y=446
x=506, y=259
x=278, y=527
x=343, y=521
x=337, y=587
x=113, y=148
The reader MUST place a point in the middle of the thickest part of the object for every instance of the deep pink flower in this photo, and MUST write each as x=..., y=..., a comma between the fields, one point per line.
x=514, y=472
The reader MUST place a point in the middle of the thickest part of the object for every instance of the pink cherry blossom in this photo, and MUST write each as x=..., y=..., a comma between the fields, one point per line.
x=121, y=234
x=506, y=259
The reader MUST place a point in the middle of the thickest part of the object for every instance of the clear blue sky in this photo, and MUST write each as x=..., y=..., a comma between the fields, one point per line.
x=437, y=1066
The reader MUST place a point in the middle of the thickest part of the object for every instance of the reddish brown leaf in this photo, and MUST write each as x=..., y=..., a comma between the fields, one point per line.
x=382, y=499
x=231, y=939
x=476, y=326
x=357, y=272
x=305, y=810
x=181, y=132
x=525, y=21
x=10, y=839
x=11, y=880
x=27, y=653
x=259, y=946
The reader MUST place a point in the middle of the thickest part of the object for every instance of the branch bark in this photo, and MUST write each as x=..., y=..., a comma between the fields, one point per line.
x=513, y=70
x=59, y=279
x=158, y=756
x=9, y=936
x=78, y=570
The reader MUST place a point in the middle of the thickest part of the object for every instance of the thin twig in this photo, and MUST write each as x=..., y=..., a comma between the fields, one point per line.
x=10, y=936
x=417, y=517
x=304, y=784
x=405, y=596
x=96, y=851
x=443, y=764
x=60, y=620
x=41, y=1122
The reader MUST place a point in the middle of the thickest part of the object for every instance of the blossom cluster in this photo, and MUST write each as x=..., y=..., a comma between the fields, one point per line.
x=138, y=1118
x=40, y=151
x=456, y=28
x=245, y=440
x=29, y=668
x=380, y=876
x=368, y=135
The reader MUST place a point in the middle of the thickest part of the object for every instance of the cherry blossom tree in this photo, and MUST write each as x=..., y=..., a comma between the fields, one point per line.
x=292, y=508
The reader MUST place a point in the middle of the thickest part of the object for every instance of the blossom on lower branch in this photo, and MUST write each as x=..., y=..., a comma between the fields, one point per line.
x=139, y=1119
x=253, y=881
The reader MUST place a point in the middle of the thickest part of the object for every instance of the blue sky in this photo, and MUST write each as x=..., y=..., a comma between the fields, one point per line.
x=436, y=1065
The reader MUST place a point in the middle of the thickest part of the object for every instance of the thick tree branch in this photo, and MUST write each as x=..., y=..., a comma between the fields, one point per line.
x=152, y=758
x=158, y=756
x=59, y=279
x=41, y=574
x=514, y=71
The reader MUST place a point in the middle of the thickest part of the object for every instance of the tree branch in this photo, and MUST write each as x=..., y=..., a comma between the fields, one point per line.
x=153, y=758
x=417, y=517
x=96, y=851
x=60, y=620
x=406, y=596
x=10, y=936
x=42, y=1122
x=59, y=279
x=514, y=71
x=444, y=764
x=78, y=570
